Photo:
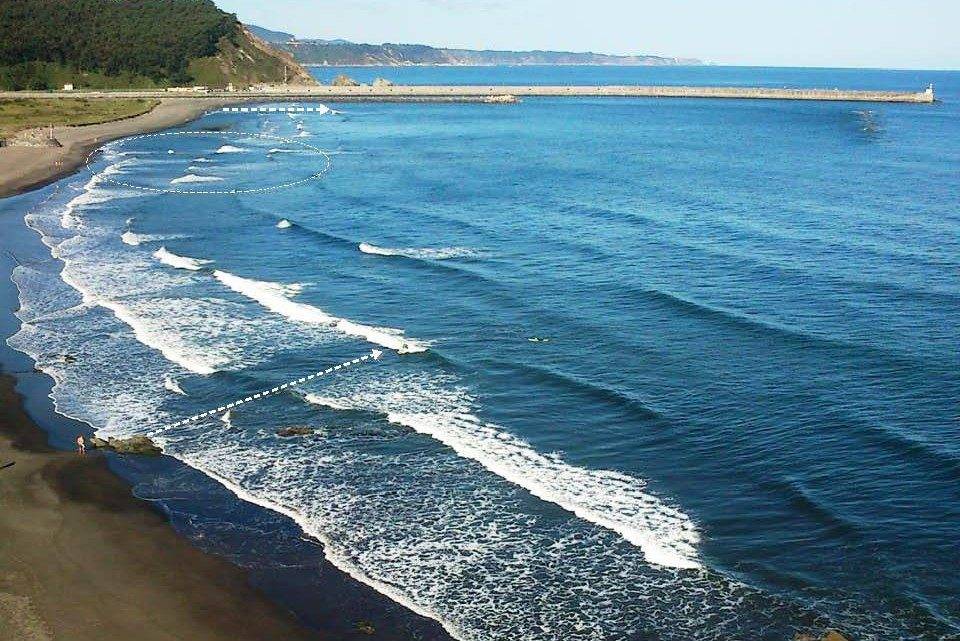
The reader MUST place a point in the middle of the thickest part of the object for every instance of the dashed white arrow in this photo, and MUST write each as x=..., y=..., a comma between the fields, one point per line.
x=374, y=355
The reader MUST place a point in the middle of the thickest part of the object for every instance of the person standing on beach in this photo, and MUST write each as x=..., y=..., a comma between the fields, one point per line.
x=81, y=445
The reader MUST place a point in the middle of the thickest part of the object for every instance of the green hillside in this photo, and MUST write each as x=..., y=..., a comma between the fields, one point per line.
x=131, y=43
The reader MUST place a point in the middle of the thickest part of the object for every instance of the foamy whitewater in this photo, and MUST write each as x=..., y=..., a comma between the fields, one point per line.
x=180, y=262
x=614, y=404
x=278, y=298
x=194, y=178
x=423, y=253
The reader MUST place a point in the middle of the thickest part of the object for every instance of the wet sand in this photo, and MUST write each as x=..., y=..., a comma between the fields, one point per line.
x=81, y=559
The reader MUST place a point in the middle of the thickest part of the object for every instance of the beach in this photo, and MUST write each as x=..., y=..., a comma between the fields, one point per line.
x=80, y=556
x=83, y=559
x=25, y=168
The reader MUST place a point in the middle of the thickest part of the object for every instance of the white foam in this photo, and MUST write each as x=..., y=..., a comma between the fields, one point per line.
x=171, y=384
x=194, y=178
x=226, y=419
x=201, y=159
x=229, y=149
x=180, y=262
x=284, y=224
x=610, y=499
x=278, y=150
x=134, y=239
x=144, y=332
x=421, y=253
x=277, y=298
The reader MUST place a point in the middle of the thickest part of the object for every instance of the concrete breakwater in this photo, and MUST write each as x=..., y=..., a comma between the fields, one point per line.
x=498, y=93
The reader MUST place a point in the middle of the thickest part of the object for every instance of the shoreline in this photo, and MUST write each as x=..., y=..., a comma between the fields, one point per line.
x=198, y=587
x=24, y=169
x=83, y=556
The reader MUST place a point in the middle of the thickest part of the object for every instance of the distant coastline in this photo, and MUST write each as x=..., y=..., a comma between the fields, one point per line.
x=335, y=53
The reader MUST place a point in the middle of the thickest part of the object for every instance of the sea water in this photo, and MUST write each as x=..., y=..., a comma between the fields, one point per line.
x=675, y=369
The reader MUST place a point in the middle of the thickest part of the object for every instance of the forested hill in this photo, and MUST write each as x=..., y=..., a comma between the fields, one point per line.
x=132, y=43
x=343, y=52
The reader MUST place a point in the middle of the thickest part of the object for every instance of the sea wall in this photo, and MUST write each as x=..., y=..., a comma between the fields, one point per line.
x=426, y=93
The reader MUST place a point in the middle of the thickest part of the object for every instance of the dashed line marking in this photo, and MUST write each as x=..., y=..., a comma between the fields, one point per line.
x=373, y=355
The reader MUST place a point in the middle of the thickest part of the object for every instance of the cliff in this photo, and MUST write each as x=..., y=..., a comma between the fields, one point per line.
x=342, y=52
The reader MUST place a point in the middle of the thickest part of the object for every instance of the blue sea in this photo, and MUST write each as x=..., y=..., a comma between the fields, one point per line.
x=670, y=369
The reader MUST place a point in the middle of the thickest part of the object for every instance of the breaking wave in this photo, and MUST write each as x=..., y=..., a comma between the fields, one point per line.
x=284, y=224
x=424, y=253
x=613, y=500
x=229, y=149
x=134, y=239
x=180, y=262
x=277, y=298
x=194, y=178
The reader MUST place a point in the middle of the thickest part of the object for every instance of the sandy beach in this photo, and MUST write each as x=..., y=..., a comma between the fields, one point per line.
x=80, y=558
x=26, y=168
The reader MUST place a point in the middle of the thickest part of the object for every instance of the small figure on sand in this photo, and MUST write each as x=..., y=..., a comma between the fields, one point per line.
x=81, y=445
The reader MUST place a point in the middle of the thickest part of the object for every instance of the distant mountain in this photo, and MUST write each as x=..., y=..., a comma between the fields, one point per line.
x=270, y=36
x=102, y=44
x=343, y=52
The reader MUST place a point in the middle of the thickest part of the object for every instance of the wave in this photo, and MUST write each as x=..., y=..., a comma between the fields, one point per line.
x=201, y=159
x=171, y=384
x=284, y=224
x=194, y=178
x=278, y=150
x=180, y=262
x=610, y=499
x=90, y=195
x=134, y=239
x=425, y=253
x=277, y=298
x=229, y=149
x=609, y=395
x=142, y=331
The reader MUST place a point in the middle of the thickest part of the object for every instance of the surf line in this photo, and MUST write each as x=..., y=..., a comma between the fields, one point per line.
x=373, y=355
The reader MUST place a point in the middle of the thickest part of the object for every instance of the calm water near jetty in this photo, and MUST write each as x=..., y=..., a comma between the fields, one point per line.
x=684, y=369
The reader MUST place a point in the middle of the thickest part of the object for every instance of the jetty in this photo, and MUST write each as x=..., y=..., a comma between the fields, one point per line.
x=497, y=93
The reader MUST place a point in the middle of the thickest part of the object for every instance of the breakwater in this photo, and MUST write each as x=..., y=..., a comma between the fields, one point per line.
x=465, y=93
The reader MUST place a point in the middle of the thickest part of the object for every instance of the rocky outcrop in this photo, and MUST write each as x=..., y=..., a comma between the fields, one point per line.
x=141, y=445
x=289, y=432
x=344, y=80
x=382, y=82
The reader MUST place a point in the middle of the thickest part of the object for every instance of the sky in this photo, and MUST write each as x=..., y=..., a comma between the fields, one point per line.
x=917, y=34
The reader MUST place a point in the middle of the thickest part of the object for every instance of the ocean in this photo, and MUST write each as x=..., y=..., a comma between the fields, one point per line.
x=671, y=369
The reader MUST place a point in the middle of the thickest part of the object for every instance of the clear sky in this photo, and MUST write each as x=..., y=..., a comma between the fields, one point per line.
x=918, y=34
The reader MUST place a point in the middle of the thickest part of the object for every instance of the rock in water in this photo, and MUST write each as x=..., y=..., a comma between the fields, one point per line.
x=134, y=445
x=344, y=80
x=287, y=432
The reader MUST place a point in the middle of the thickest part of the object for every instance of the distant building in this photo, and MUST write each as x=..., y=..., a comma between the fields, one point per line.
x=68, y=86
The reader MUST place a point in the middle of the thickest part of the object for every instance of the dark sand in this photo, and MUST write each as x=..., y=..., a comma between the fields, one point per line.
x=80, y=558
